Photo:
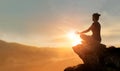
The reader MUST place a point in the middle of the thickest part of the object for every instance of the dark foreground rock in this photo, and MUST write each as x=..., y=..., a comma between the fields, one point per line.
x=97, y=58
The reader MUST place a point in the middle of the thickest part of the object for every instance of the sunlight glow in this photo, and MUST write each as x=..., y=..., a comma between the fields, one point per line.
x=75, y=38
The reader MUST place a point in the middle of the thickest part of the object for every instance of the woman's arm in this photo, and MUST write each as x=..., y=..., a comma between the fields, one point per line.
x=87, y=29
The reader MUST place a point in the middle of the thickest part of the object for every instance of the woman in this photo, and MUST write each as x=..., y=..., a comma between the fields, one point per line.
x=95, y=28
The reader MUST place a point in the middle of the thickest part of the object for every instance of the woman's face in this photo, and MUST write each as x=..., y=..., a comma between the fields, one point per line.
x=95, y=19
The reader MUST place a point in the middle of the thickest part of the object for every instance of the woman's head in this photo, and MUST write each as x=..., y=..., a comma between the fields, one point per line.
x=95, y=16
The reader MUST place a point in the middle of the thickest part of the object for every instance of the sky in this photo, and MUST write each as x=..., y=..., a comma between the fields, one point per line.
x=46, y=22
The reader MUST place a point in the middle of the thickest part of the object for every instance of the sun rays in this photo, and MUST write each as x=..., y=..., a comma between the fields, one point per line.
x=74, y=38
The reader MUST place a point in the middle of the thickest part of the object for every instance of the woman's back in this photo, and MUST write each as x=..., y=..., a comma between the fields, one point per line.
x=96, y=27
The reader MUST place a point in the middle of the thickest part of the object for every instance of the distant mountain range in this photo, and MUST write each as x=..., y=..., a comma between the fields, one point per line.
x=18, y=57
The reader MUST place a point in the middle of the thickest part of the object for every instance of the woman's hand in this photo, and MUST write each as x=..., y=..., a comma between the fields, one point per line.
x=77, y=32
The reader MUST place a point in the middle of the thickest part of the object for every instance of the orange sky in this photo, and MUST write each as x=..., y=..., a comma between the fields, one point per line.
x=46, y=23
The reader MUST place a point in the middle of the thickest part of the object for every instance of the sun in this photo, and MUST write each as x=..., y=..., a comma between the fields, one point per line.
x=74, y=38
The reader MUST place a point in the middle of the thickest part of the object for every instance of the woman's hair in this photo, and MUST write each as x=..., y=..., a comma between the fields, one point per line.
x=96, y=15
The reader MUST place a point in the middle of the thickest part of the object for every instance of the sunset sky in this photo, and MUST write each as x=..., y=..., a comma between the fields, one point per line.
x=47, y=22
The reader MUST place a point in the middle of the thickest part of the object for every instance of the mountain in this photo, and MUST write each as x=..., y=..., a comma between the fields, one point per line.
x=18, y=57
x=96, y=57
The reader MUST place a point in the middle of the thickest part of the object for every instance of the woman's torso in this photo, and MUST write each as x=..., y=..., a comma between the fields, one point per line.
x=96, y=28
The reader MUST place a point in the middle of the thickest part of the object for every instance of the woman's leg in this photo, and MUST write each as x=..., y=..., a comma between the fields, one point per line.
x=85, y=37
x=88, y=39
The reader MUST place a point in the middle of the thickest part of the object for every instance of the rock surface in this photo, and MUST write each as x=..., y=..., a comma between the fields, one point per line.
x=97, y=58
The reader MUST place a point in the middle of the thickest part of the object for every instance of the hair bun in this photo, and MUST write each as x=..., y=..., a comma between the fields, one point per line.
x=96, y=14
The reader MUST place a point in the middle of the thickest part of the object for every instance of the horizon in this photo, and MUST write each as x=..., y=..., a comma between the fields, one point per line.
x=59, y=35
x=46, y=23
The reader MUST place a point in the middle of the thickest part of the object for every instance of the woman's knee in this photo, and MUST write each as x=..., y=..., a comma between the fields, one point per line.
x=83, y=35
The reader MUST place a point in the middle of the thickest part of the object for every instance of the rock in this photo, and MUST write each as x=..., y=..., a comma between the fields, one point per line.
x=97, y=58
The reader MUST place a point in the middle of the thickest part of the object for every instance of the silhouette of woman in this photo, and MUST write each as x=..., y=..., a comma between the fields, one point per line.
x=95, y=28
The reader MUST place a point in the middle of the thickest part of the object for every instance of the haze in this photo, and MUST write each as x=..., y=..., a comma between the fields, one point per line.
x=46, y=22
